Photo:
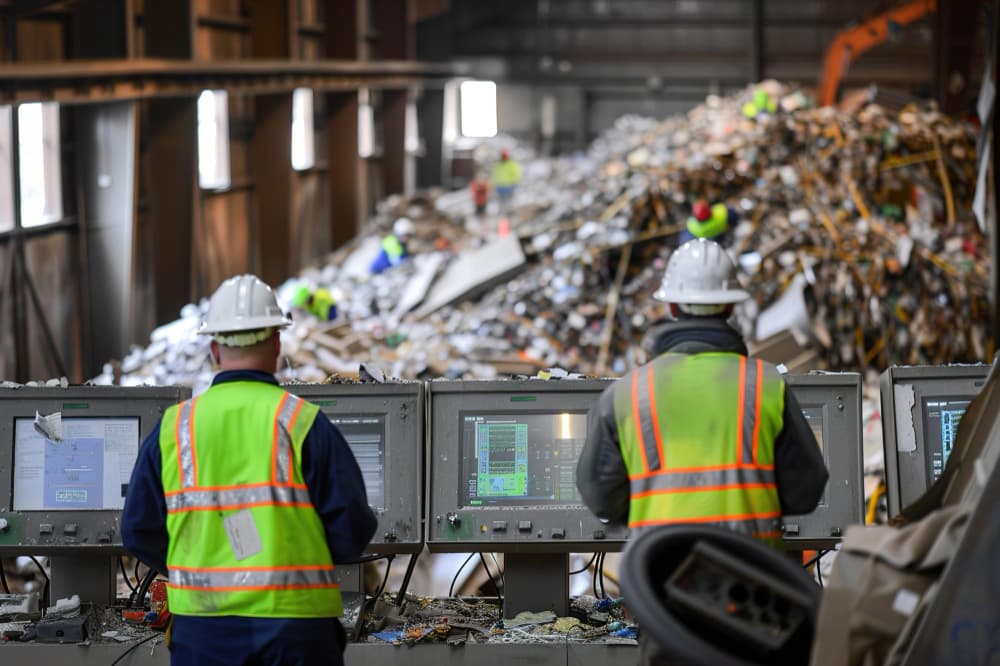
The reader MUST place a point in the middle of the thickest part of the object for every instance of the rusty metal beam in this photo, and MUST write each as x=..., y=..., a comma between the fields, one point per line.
x=108, y=80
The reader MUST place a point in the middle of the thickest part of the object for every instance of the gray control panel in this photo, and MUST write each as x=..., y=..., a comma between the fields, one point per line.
x=501, y=471
x=63, y=484
x=831, y=403
x=384, y=426
x=922, y=407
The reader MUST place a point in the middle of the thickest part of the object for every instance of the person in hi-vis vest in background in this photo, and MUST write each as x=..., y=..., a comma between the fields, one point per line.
x=245, y=497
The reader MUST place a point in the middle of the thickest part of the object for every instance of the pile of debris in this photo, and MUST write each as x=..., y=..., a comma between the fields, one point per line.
x=855, y=232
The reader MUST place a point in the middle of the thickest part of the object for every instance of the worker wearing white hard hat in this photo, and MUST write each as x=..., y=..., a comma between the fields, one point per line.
x=393, y=249
x=247, y=443
x=702, y=406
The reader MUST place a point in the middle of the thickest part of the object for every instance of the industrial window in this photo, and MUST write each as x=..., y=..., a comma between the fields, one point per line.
x=213, y=140
x=478, y=100
x=366, y=125
x=6, y=172
x=412, y=130
x=39, y=163
x=303, y=138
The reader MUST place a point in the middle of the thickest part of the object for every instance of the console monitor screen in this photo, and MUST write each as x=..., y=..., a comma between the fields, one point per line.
x=365, y=434
x=941, y=419
x=814, y=417
x=520, y=459
x=88, y=469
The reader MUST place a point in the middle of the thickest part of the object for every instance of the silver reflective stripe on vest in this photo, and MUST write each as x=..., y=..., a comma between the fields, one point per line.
x=232, y=498
x=640, y=386
x=750, y=407
x=184, y=443
x=235, y=579
x=283, y=454
x=710, y=479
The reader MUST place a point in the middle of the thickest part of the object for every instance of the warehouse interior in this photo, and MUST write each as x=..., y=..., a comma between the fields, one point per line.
x=547, y=159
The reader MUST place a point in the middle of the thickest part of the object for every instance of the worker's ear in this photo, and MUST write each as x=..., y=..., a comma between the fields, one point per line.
x=276, y=344
x=215, y=353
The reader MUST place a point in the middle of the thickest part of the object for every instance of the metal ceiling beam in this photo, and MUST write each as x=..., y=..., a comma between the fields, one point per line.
x=107, y=80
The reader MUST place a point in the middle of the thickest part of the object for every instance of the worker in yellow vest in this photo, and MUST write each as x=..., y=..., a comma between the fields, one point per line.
x=702, y=434
x=245, y=497
x=506, y=177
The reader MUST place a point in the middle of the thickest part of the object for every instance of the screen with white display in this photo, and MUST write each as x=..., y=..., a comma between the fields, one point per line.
x=365, y=434
x=85, y=467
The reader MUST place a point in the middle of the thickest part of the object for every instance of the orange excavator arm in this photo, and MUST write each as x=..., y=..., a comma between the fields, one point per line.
x=849, y=44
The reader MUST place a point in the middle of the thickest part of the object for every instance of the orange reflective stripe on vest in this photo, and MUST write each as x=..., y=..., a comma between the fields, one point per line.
x=281, y=465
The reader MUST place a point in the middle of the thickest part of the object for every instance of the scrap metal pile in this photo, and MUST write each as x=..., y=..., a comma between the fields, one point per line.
x=859, y=226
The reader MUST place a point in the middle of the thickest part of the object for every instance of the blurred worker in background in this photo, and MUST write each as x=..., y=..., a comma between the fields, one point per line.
x=761, y=103
x=506, y=176
x=244, y=497
x=318, y=302
x=480, y=187
x=709, y=222
x=702, y=433
x=393, y=249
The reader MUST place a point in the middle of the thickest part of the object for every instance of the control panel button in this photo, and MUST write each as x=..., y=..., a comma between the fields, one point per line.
x=499, y=525
x=524, y=526
x=70, y=529
x=599, y=534
x=104, y=537
x=3, y=525
x=558, y=533
x=791, y=529
x=45, y=528
x=836, y=532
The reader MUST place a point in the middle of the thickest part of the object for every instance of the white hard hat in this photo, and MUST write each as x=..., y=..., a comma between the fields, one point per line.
x=243, y=303
x=403, y=227
x=700, y=272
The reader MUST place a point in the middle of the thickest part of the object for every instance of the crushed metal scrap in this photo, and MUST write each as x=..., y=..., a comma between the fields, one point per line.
x=855, y=232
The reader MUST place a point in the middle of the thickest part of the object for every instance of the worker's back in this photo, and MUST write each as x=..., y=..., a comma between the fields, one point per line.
x=244, y=536
x=697, y=435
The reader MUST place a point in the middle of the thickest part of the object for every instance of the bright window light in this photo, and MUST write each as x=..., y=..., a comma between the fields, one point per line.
x=6, y=172
x=479, y=108
x=412, y=129
x=303, y=140
x=38, y=155
x=213, y=140
x=366, y=128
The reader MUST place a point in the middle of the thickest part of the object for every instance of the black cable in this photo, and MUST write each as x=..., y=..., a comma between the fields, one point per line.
x=585, y=566
x=133, y=647
x=121, y=566
x=816, y=559
x=135, y=571
x=366, y=559
x=597, y=565
x=147, y=580
x=406, y=579
x=45, y=592
x=600, y=574
x=819, y=574
x=385, y=578
x=451, y=590
x=3, y=579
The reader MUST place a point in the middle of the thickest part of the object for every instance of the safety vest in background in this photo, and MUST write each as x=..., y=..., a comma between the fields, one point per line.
x=697, y=436
x=394, y=250
x=244, y=536
x=506, y=173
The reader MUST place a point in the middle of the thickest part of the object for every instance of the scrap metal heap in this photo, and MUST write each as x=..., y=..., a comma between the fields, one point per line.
x=868, y=215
